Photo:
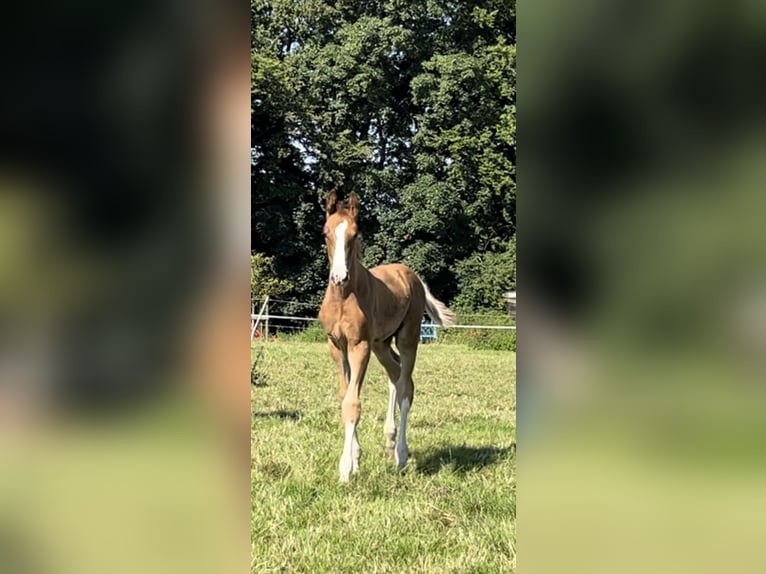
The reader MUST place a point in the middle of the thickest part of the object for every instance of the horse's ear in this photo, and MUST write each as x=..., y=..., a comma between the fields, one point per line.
x=353, y=205
x=331, y=205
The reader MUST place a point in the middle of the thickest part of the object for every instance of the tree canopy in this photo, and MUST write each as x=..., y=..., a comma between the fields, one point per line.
x=411, y=105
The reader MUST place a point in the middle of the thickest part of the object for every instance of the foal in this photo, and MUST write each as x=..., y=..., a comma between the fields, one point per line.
x=363, y=311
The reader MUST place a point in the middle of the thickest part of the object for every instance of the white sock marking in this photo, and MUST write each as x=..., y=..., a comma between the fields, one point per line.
x=401, y=446
x=356, y=453
x=389, y=428
x=346, y=459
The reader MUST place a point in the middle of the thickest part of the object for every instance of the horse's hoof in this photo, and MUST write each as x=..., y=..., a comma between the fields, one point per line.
x=401, y=455
x=344, y=469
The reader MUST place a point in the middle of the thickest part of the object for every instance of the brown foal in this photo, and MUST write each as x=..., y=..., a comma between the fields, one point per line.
x=364, y=311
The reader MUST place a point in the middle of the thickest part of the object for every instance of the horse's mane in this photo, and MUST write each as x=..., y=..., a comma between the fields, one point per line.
x=358, y=247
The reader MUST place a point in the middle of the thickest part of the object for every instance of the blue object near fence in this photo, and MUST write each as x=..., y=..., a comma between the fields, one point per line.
x=427, y=332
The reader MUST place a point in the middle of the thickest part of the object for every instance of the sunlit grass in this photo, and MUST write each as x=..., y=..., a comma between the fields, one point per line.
x=452, y=509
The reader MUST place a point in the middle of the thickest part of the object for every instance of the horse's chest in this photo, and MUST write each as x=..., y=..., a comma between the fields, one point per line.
x=343, y=322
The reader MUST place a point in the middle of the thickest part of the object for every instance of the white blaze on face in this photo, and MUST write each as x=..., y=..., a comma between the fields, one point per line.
x=339, y=270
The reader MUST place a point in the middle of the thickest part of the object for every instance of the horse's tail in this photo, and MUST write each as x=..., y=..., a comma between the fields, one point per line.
x=437, y=310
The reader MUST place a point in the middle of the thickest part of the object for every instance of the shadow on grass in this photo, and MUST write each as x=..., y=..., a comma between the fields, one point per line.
x=280, y=414
x=462, y=458
x=258, y=378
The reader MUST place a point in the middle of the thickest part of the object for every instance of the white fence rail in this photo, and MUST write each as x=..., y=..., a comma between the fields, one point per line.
x=310, y=319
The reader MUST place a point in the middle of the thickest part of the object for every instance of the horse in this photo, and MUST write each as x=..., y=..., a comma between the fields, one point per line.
x=365, y=310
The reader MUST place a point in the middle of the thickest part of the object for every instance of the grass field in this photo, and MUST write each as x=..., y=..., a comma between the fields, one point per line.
x=452, y=509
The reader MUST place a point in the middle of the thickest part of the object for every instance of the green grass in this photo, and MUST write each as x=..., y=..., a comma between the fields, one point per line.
x=452, y=509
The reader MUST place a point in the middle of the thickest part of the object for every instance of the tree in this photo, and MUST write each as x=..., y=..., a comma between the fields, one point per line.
x=484, y=277
x=411, y=105
x=263, y=282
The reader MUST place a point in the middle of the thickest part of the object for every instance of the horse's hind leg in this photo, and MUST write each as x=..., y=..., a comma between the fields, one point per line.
x=407, y=343
x=390, y=361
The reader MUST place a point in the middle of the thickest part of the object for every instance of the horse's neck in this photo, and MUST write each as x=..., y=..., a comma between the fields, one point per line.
x=361, y=278
x=358, y=283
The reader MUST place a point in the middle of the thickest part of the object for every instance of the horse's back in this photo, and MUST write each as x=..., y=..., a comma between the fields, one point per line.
x=405, y=295
x=399, y=278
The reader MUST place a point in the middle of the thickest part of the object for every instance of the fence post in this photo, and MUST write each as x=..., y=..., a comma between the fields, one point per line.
x=266, y=322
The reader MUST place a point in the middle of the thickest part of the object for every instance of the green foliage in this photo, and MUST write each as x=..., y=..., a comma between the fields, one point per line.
x=411, y=105
x=484, y=339
x=263, y=280
x=484, y=277
x=311, y=334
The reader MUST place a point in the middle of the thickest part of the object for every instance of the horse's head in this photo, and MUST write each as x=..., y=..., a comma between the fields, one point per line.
x=340, y=234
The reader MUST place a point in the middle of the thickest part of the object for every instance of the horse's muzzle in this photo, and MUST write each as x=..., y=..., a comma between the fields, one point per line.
x=339, y=281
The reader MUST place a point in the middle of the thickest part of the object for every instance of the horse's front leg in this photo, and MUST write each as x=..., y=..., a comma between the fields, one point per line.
x=341, y=362
x=358, y=357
